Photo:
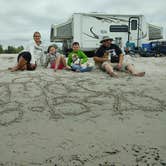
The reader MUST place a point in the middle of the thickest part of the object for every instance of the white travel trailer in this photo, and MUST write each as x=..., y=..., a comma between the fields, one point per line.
x=89, y=28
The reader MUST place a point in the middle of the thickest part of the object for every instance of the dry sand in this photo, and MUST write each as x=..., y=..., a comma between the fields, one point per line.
x=64, y=118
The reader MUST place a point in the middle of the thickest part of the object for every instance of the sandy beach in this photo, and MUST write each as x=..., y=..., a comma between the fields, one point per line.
x=64, y=118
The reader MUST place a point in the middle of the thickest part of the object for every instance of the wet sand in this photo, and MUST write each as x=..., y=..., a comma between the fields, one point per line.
x=64, y=118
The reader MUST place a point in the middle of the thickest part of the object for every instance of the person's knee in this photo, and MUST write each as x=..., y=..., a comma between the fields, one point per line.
x=104, y=65
x=107, y=66
x=58, y=58
x=75, y=67
x=128, y=66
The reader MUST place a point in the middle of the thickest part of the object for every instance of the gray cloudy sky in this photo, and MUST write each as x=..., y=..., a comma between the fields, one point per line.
x=20, y=18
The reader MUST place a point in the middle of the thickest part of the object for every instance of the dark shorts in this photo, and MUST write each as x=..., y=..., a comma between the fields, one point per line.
x=26, y=55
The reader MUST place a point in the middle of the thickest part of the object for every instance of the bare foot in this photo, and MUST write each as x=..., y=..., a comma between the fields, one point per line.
x=141, y=74
x=55, y=69
x=77, y=70
x=113, y=74
x=13, y=69
x=67, y=68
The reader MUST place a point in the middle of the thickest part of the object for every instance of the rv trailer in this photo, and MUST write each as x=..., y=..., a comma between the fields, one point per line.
x=89, y=28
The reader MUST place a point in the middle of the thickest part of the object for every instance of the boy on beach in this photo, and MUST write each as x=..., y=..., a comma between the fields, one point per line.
x=77, y=59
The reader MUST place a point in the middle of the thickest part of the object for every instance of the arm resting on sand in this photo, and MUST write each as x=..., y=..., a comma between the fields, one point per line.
x=15, y=68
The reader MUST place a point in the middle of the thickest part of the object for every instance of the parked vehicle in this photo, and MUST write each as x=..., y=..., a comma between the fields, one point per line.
x=159, y=47
x=154, y=49
x=89, y=28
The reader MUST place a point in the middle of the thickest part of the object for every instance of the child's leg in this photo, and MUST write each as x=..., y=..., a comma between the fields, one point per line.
x=22, y=64
x=75, y=67
x=63, y=63
x=57, y=62
x=63, y=60
x=86, y=69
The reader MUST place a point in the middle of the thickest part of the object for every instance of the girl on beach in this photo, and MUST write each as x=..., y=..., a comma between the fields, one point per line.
x=23, y=62
x=55, y=59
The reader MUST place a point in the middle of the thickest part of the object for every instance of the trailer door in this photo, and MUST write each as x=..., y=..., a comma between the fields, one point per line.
x=133, y=35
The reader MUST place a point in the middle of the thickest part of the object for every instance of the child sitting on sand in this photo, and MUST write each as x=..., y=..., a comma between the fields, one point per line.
x=56, y=60
x=23, y=62
x=77, y=59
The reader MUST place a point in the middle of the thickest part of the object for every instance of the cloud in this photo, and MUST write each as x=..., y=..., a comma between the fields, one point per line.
x=19, y=19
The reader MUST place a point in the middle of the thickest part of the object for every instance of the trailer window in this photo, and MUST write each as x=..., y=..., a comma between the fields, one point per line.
x=118, y=28
x=64, y=31
x=133, y=24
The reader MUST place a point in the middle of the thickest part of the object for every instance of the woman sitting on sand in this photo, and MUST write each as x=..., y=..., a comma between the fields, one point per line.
x=23, y=62
x=37, y=49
